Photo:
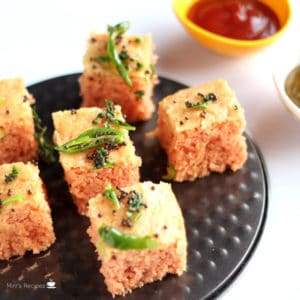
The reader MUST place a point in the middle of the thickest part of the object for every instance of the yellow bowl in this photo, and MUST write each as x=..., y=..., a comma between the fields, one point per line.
x=228, y=46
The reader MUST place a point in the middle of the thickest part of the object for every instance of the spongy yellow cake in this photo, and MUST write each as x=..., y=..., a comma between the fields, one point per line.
x=201, y=130
x=101, y=79
x=25, y=217
x=149, y=213
x=17, y=141
x=84, y=176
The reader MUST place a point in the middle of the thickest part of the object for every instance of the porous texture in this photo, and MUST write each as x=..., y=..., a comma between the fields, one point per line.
x=24, y=226
x=83, y=179
x=125, y=270
x=17, y=141
x=98, y=88
x=86, y=183
x=100, y=80
x=201, y=141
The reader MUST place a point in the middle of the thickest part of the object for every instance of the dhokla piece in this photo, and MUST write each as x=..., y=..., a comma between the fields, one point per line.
x=127, y=79
x=139, y=235
x=25, y=216
x=106, y=155
x=201, y=129
x=17, y=142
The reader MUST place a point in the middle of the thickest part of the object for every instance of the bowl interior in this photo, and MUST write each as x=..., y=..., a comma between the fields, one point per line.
x=281, y=8
x=281, y=71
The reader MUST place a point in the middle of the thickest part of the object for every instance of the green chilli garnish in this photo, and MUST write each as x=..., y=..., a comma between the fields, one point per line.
x=119, y=240
x=113, y=33
x=92, y=138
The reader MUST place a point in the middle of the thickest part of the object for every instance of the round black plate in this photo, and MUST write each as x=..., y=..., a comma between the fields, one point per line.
x=224, y=215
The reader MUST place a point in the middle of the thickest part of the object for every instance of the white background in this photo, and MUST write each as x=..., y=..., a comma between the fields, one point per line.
x=43, y=39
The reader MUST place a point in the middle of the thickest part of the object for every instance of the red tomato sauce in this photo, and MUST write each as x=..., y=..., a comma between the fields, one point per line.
x=237, y=19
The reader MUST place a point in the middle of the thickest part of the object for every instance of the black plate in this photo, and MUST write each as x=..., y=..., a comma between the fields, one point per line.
x=224, y=215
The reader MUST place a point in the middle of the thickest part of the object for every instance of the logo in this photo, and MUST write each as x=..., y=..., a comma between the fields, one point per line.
x=51, y=284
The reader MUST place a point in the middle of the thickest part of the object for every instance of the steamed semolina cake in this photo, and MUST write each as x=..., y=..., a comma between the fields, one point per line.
x=25, y=217
x=102, y=80
x=201, y=129
x=17, y=141
x=103, y=155
x=139, y=235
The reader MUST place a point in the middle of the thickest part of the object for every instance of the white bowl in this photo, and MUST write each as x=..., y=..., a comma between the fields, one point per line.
x=288, y=62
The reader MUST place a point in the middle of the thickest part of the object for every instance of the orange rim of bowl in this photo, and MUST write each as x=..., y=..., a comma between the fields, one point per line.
x=182, y=16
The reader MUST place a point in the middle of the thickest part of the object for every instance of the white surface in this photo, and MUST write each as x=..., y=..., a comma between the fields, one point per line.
x=42, y=39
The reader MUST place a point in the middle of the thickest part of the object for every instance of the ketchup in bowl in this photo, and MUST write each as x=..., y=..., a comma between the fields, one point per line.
x=237, y=19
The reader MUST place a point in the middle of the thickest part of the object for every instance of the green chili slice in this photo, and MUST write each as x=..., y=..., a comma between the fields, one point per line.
x=113, y=32
x=18, y=198
x=122, y=124
x=111, y=195
x=14, y=199
x=1, y=100
x=92, y=138
x=123, y=241
x=171, y=173
x=195, y=105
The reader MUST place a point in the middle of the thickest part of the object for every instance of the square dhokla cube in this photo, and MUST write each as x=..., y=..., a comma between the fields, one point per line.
x=101, y=80
x=25, y=216
x=201, y=140
x=17, y=141
x=158, y=219
x=84, y=179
